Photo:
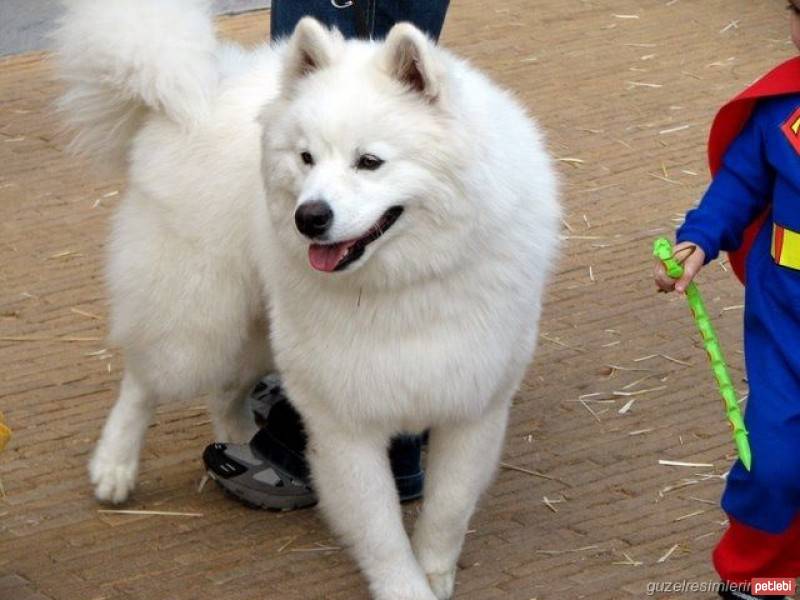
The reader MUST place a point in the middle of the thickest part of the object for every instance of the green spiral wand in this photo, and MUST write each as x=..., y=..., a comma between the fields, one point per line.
x=662, y=250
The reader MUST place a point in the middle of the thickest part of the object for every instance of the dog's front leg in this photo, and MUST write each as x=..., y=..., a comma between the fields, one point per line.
x=115, y=461
x=461, y=462
x=353, y=479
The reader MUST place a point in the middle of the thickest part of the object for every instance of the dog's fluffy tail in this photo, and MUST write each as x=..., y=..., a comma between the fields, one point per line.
x=120, y=59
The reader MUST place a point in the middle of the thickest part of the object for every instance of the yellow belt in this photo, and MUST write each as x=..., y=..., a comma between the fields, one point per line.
x=786, y=247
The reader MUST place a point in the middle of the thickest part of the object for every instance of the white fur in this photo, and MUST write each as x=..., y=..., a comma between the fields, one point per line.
x=435, y=325
x=432, y=328
x=148, y=85
x=119, y=57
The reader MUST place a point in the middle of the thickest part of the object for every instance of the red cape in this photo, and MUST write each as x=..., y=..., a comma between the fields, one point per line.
x=729, y=122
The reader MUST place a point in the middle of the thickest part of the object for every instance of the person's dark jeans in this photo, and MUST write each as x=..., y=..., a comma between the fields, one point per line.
x=380, y=15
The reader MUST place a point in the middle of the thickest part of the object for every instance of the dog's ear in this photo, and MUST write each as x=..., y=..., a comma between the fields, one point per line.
x=410, y=57
x=311, y=48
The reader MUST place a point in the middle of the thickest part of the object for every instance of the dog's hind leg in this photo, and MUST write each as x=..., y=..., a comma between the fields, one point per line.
x=353, y=478
x=115, y=461
x=461, y=462
x=231, y=414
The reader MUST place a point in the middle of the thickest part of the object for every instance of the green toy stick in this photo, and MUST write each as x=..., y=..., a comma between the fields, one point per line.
x=662, y=250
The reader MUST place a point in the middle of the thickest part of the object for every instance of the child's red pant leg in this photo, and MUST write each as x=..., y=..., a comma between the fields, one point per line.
x=744, y=553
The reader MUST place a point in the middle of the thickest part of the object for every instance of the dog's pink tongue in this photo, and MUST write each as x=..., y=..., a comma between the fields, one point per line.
x=325, y=257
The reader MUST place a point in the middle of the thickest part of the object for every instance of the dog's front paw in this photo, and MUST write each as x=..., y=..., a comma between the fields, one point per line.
x=438, y=561
x=442, y=584
x=113, y=480
x=411, y=585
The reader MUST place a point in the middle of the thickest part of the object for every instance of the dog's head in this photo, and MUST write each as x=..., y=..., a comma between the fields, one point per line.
x=361, y=154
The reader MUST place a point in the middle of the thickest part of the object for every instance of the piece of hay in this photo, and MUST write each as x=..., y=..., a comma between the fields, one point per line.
x=674, y=129
x=591, y=412
x=161, y=513
x=101, y=352
x=669, y=553
x=64, y=254
x=667, y=179
x=638, y=381
x=678, y=463
x=628, y=561
x=689, y=516
x=554, y=340
x=703, y=500
x=582, y=237
x=84, y=313
x=569, y=551
x=640, y=392
x=551, y=502
x=35, y=338
x=644, y=84
x=619, y=368
x=729, y=26
x=319, y=548
x=641, y=431
x=665, y=357
x=287, y=543
x=733, y=307
x=534, y=473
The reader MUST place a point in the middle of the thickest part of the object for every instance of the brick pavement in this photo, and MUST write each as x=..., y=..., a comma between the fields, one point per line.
x=625, y=87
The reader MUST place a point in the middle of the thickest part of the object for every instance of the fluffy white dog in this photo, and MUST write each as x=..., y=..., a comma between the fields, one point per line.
x=403, y=244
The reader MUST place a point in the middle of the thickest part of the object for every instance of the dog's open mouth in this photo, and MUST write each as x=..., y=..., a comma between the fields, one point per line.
x=335, y=257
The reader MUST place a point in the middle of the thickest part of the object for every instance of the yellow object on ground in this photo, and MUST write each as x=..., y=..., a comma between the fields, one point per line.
x=5, y=433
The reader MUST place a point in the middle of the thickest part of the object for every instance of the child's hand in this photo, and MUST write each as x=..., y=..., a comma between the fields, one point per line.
x=691, y=256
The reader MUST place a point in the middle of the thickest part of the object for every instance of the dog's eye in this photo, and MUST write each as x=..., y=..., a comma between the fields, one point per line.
x=307, y=158
x=368, y=162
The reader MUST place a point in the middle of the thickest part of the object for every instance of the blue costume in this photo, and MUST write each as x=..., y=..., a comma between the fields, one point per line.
x=762, y=167
x=760, y=174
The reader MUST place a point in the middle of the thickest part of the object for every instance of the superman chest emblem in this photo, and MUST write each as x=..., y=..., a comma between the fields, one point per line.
x=791, y=129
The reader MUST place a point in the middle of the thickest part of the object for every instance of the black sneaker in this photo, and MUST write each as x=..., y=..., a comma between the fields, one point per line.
x=252, y=480
x=271, y=471
x=264, y=396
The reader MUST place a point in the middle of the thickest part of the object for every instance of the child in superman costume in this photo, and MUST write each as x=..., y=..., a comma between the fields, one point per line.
x=752, y=211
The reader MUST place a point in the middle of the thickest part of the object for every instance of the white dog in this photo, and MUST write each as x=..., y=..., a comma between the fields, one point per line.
x=404, y=241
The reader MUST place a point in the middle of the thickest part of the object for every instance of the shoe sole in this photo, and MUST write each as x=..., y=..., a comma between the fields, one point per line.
x=275, y=503
x=261, y=501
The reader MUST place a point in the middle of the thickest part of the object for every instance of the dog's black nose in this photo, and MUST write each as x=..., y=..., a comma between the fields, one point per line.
x=313, y=218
